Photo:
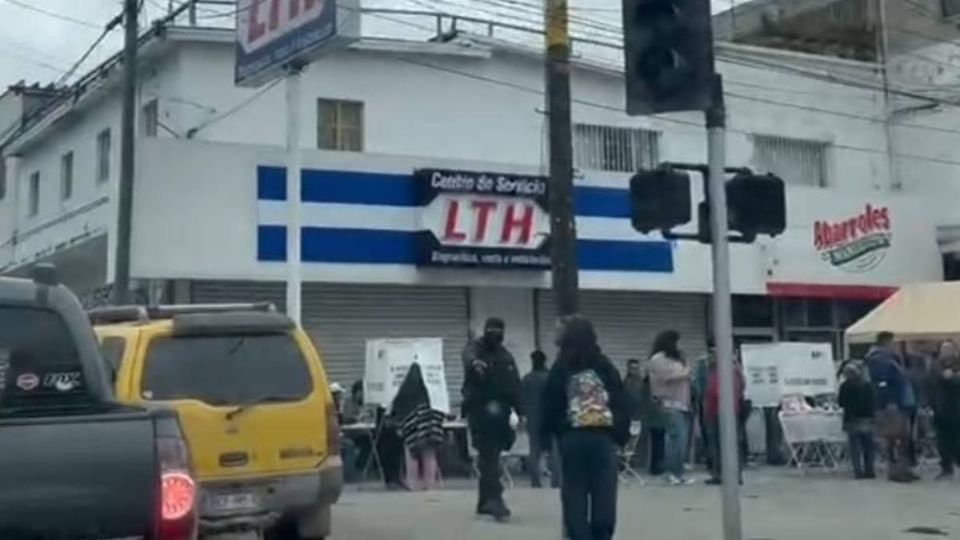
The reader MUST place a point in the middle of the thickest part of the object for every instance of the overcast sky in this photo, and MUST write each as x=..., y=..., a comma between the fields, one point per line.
x=40, y=47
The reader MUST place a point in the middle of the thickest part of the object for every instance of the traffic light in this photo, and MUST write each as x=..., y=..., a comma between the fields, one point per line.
x=757, y=204
x=668, y=46
x=659, y=199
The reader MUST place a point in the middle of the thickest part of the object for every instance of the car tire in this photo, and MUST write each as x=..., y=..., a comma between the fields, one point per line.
x=314, y=524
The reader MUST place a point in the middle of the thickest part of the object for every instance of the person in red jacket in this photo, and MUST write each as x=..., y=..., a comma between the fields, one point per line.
x=712, y=416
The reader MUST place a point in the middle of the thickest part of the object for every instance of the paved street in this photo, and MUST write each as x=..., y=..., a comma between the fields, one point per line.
x=778, y=505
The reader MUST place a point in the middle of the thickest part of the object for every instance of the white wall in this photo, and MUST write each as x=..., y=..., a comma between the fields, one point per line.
x=196, y=214
x=927, y=138
x=429, y=111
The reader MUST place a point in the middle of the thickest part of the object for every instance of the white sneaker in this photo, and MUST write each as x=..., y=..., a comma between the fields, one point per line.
x=672, y=480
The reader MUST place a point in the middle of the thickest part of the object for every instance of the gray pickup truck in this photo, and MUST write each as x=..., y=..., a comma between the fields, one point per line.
x=74, y=464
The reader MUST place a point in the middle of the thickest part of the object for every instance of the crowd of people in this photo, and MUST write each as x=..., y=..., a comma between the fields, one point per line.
x=578, y=413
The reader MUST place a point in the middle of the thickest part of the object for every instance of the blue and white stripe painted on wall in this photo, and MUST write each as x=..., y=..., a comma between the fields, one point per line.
x=372, y=218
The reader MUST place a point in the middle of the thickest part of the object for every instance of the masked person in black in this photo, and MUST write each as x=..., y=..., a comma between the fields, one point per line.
x=491, y=390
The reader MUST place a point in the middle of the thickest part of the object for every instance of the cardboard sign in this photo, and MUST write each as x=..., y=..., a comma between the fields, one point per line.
x=389, y=360
x=774, y=370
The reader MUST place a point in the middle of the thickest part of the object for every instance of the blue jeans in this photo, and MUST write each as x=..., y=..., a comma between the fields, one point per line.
x=677, y=441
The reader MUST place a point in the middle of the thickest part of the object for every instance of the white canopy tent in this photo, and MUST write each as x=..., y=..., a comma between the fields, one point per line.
x=924, y=311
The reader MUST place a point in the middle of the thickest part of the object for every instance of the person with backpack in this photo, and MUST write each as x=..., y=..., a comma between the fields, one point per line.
x=587, y=409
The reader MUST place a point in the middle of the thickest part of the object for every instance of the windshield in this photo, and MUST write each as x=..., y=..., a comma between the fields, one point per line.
x=39, y=362
x=226, y=370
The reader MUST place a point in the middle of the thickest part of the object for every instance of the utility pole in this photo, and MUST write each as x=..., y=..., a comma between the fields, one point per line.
x=121, y=278
x=563, y=227
x=722, y=312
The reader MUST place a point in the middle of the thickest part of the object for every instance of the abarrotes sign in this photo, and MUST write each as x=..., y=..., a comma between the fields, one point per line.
x=483, y=219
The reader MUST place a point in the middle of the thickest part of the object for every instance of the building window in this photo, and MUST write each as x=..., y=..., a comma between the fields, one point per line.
x=151, y=119
x=66, y=176
x=951, y=9
x=618, y=149
x=798, y=162
x=33, y=205
x=103, y=156
x=340, y=125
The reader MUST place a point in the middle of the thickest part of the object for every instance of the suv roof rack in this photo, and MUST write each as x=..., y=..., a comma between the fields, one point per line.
x=142, y=314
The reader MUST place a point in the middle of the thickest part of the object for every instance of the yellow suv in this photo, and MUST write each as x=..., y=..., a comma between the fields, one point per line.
x=254, y=403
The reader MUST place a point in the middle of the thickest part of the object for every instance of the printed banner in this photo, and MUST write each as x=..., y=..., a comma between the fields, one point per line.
x=774, y=370
x=388, y=361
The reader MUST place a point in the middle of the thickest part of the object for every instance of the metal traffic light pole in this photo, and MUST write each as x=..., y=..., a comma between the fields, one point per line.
x=722, y=308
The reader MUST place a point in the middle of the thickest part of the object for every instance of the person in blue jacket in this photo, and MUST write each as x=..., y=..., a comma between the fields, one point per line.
x=894, y=398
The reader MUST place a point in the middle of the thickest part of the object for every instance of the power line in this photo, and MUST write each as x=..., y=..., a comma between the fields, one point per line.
x=83, y=58
x=233, y=110
x=603, y=106
x=54, y=14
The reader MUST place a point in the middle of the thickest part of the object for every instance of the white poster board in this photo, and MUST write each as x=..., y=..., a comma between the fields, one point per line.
x=388, y=361
x=774, y=370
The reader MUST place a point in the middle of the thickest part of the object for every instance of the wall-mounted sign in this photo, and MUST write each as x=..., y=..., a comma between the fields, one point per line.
x=272, y=34
x=482, y=219
x=858, y=243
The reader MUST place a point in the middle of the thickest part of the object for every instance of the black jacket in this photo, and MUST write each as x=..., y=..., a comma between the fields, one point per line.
x=490, y=393
x=556, y=402
x=857, y=400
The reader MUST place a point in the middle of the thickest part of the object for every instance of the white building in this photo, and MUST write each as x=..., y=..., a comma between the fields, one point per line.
x=209, y=203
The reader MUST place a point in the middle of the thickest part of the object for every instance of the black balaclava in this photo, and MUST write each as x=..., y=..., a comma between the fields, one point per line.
x=493, y=332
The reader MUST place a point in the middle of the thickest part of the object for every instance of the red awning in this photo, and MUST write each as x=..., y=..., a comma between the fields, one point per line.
x=836, y=292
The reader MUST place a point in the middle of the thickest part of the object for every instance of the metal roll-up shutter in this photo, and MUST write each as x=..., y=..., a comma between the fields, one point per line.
x=628, y=321
x=342, y=317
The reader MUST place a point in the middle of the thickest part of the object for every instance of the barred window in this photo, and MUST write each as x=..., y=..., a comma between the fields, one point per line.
x=798, y=162
x=618, y=149
x=340, y=125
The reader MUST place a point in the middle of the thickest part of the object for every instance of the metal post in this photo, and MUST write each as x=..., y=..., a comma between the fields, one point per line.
x=192, y=13
x=121, y=278
x=293, y=194
x=563, y=227
x=722, y=318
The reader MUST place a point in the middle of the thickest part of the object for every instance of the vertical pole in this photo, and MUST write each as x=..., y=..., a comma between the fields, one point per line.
x=192, y=13
x=722, y=318
x=127, y=133
x=563, y=227
x=883, y=48
x=293, y=194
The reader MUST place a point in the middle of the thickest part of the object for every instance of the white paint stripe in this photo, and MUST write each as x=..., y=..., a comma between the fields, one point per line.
x=393, y=218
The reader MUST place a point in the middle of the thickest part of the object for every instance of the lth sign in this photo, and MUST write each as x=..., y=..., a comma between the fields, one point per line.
x=483, y=219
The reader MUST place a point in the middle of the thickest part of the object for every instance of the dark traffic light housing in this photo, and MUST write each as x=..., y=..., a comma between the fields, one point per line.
x=668, y=48
x=660, y=199
x=757, y=205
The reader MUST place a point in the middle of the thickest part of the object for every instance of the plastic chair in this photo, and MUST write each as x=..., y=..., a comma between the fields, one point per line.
x=627, y=471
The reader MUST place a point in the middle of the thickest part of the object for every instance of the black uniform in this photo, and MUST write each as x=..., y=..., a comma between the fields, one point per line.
x=491, y=391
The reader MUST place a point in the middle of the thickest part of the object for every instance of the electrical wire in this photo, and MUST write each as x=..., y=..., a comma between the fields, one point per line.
x=698, y=125
x=113, y=24
x=54, y=14
x=233, y=110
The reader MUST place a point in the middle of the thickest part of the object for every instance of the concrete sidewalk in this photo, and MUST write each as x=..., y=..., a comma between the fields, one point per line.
x=778, y=504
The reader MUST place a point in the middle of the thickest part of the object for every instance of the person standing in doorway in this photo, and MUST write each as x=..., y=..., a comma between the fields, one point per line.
x=945, y=399
x=893, y=400
x=586, y=408
x=670, y=385
x=491, y=391
x=857, y=401
x=531, y=392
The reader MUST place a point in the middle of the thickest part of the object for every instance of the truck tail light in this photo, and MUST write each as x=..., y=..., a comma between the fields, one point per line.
x=333, y=430
x=178, y=488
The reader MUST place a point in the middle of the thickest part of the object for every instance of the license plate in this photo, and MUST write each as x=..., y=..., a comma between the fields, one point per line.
x=232, y=502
